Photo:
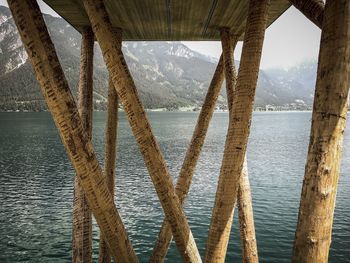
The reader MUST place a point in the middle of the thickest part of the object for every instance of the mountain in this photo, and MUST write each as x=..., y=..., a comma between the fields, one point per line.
x=167, y=74
x=298, y=82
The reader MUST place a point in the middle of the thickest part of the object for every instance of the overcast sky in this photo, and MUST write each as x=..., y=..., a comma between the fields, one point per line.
x=291, y=39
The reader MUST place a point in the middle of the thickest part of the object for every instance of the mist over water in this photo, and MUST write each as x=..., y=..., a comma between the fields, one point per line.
x=36, y=185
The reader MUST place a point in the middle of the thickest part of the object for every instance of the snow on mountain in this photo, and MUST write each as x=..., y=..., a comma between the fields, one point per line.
x=180, y=50
x=298, y=81
x=12, y=52
x=167, y=74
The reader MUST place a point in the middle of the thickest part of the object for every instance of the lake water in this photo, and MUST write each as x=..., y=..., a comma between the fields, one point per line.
x=36, y=185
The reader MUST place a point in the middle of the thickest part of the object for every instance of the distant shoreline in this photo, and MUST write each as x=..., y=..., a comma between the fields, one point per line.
x=163, y=110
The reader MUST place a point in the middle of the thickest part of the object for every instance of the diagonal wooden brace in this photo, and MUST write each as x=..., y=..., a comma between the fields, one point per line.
x=244, y=199
x=141, y=129
x=246, y=218
x=191, y=158
x=54, y=86
x=110, y=158
x=82, y=220
x=312, y=9
x=238, y=132
x=110, y=150
x=228, y=44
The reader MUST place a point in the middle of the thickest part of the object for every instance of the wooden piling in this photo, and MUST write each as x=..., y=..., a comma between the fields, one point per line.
x=246, y=218
x=82, y=220
x=59, y=99
x=110, y=149
x=244, y=199
x=238, y=132
x=141, y=129
x=228, y=44
x=110, y=157
x=312, y=9
x=191, y=158
x=314, y=229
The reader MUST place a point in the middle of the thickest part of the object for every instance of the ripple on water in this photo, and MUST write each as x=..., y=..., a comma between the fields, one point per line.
x=36, y=186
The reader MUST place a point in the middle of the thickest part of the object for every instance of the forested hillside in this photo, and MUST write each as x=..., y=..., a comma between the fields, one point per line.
x=167, y=74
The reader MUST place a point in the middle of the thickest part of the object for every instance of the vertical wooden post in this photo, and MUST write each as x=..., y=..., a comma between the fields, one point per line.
x=238, y=132
x=314, y=229
x=244, y=199
x=111, y=137
x=82, y=225
x=59, y=99
x=141, y=129
x=110, y=157
x=228, y=44
x=110, y=150
x=187, y=170
x=312, y=9
x=246, y=219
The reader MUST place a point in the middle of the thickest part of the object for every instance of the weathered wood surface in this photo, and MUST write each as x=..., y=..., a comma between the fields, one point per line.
x=244, y=199
x=110, y=157
x=246, y=219
x=155, y=19
x=82, y=220
x=314, y=229
x=312, y=9
x=141, y=129
x=228, y=44
x=110, y=150
x=238, y=132
x=191, y=158
x=54, y=86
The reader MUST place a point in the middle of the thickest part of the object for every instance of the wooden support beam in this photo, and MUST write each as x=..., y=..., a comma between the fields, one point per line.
x=312, y=9
x=192, y=155
x=238, y=132
x=82, y=220
x=110, y=157
x=314, y=229
x=141, y=129
x=246, y=219
x=228, y=44
x=110, y=149
x=59, y=99
x=244, y=199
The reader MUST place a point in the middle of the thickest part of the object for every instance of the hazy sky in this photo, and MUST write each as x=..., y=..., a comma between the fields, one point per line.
x=289, y=40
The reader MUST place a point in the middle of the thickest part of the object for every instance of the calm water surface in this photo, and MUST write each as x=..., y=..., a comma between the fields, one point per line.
x=36, y=185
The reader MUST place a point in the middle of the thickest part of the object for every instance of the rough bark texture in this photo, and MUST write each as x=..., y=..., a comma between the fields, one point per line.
x=187, y=170
x=312, y=9
x=110, y=151
x=110, y=157
x=244, y=199
x=141, y=129
x=228, y=44
x=54, y=86
x=314, y=229
x=246, y=219
x=238, y=132
x=82, y=221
